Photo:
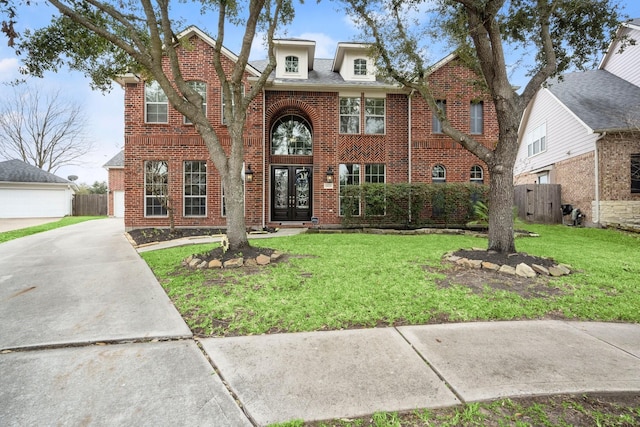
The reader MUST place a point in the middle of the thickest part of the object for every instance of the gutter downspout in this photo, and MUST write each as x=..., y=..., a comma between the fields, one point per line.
x=264, y=158
x=410, y=153
x=596, y=217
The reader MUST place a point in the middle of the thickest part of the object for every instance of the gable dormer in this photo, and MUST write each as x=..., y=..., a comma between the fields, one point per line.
x=354, y=63
x=294, y=58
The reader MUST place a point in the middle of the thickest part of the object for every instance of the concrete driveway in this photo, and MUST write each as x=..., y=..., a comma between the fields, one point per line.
x=65, y=296
x=10, y=224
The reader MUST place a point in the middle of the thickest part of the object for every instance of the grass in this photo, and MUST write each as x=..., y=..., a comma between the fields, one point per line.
x=334, y=281
x=68, y=220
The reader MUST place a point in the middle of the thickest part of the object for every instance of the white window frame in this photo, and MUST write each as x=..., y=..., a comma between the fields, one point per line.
x=188, y=180
x=291, y=64
x=438, y=174
x=154, y=198
x=477, y=174
x=348, y=178
x=201, y=88
x=537, y=140
x=476, y=116
x=359, y=67
x=158, y=99
x=375, y=112
x=351, y=112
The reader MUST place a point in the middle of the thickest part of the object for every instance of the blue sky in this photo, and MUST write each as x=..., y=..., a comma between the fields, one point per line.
x=323, y=22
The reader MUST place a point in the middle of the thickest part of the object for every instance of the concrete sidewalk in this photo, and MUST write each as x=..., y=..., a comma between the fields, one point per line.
x=88, y=337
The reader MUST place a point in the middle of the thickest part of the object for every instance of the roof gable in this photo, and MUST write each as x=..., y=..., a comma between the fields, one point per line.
x=19, y=171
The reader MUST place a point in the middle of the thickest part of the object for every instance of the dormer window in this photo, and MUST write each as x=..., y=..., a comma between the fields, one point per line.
x=360, y=67
x=291, y=64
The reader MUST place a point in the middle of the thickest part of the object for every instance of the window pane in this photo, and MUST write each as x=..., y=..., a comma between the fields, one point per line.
x=360, y=67
x=477, y=174
x=156, y=104
x=349, y=115
x=201, y=88
x=291, y=64
x=477, y=118
x=374, y=115
x=156, y=186
x=291, y=135
x=438, y=174
x=635, y=173
x=195, y=188
x=349, y=174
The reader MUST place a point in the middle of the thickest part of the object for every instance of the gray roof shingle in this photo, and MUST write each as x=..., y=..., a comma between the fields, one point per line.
x=116, y=161
x=321, y=75
x=19, y=171
x=600, y=99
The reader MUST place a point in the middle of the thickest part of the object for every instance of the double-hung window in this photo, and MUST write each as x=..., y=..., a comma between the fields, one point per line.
x=438, y=174
x=201, y=89
x=537, y=140
x=477, y=118
x=156, y=104
x=374, y=115
x=349, y=115
x=375, y=201
x=349, y=175
x=156, y=187
x=195, y=188
x=635, y=173
x=437, y=125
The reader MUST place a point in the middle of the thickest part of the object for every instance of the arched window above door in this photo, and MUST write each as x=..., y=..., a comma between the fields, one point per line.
x=291, y=136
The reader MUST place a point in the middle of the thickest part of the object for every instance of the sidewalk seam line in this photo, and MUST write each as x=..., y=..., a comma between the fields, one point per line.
x=226, y=384
x=442, y=378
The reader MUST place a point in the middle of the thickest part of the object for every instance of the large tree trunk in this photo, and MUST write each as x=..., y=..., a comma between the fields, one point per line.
x=501, y=237
x=234, y=198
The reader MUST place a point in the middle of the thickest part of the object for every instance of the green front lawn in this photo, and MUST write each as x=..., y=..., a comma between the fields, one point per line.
x=333, y=281
x=63, y=222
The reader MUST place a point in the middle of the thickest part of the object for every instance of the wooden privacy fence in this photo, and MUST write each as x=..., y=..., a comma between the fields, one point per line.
x=539, y=203
x=90, y=204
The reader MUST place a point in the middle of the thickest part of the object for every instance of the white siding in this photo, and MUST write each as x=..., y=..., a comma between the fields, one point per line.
x=566, y=135
x=625, y=64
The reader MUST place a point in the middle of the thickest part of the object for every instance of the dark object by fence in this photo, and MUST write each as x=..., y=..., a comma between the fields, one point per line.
x=539, y=203
x=576, y=215
x=90, y=204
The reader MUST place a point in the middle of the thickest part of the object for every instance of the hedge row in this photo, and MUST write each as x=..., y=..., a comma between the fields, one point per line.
x=410, y=205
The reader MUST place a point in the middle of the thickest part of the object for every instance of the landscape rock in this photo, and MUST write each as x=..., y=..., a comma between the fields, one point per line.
x=490, y=266
x=540, y=269
x=507, y=269
x=234, y=263
x=263, y=259
x=215, y=263
x=194, y=262
x=453, y=258
x=202, y=265
x=523, y=270
x=556, y=271
x=475, y=263
x=275, y=256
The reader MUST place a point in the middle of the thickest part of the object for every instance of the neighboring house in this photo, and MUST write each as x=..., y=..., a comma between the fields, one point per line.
x=582, y=131
x=115, y=182
x=29, y=192
x=316, y=119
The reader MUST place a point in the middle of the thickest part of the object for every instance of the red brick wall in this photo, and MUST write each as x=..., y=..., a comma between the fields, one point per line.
x=455, y=84
x=116, y=183
x=577, y=179
x=614, y=155
x=175, y=142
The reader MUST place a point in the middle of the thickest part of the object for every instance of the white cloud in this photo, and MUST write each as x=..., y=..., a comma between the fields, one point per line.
x=9, y=68
x=325, y=45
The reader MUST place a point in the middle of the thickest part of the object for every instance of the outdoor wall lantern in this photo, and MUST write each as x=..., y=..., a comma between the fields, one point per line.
x=248, y=174
x=329, y=178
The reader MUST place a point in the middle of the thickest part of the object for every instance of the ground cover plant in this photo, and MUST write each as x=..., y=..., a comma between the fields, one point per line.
x=334, y=281
x=559, y=410
x=63, y=222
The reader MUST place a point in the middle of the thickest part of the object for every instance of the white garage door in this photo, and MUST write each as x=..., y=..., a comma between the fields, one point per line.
x=118, y=204
x=34, y=203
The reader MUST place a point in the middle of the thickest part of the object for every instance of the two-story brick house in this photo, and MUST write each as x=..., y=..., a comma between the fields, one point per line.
x=319, y=124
